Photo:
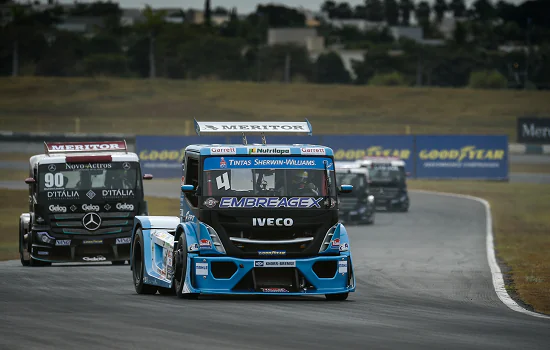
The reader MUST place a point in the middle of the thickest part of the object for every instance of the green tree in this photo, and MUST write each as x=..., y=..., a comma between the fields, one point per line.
x=391, y=12
x=423, y=11
x=458, y=8
x=406, y=7
x=207, y=13
x=153, y=25
x=484, y=10
x=375, y=10
x=440, y=7
x=329, y=69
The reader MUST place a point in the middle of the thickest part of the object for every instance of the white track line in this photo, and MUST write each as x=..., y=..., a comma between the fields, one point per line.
x=498, y=280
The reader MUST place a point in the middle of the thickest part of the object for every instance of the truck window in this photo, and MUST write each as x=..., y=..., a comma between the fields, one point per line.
x=192, y=178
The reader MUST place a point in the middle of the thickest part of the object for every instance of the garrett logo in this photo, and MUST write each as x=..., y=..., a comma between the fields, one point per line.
x=124, y=206
x=223, y=150
x=90, y=207
x=313, y=151
x=272, y=222
x=57, y=209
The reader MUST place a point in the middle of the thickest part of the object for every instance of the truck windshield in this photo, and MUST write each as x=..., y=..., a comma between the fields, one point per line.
x=358, y=181
x=267, y=176
x=386, y=175
x=83, y=176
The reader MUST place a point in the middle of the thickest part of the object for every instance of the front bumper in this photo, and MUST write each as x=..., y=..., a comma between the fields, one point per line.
x=353, y=216
x=80, y=248
x=309, y=276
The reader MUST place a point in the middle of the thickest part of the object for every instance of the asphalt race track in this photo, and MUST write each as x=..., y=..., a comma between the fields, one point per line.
x=422, y=282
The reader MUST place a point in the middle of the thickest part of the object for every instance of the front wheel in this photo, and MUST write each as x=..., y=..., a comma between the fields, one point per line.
x=138, y=266
x=22, y=246
x=180, y=269
x=337, y=297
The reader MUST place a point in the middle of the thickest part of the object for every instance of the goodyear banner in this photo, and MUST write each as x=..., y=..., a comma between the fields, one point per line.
x=462, y=156
x=352, y=147
x=442, y=156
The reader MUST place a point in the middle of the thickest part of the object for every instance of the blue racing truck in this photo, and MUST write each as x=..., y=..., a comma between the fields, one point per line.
x=254, y=219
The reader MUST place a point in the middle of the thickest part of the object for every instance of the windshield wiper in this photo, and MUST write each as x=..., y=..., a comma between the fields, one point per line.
x=327, y=183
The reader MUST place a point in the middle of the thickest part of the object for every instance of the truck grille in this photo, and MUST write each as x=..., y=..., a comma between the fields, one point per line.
x=384, y=192
x=110, y=223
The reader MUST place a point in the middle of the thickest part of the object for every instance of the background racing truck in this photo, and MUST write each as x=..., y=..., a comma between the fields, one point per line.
x=388, y=182
x=356, y=207
x=254, y=219
x=83, y=197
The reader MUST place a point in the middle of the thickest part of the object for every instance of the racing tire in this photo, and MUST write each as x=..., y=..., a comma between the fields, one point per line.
x=180, y=268
x=138, y=266
x=405, y=207
x=21, y=243
x=34, y=262
x=337, y=297
x=118, y=262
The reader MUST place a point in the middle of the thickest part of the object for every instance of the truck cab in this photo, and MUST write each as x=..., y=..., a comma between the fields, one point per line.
x=254, y=219
x=83, y=197
x=358, y=206
x=388, y=181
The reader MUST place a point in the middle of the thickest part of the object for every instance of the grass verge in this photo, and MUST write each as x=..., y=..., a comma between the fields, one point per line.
x=530, y=168
x=131, y=106
x=521, y=228
x=18, y=203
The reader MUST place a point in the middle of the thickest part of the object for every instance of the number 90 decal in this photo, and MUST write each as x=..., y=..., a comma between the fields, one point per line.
x=53, y=180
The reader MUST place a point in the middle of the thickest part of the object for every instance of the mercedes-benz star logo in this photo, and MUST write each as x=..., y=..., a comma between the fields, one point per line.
x=126, y=166
x=51, y=167
x=91, y=221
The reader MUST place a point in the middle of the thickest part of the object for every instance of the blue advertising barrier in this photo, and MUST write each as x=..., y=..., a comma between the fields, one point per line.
x=442, y=156
x=462, y=156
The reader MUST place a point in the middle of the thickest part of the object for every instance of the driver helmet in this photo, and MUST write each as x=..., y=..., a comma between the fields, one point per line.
x=300, y=176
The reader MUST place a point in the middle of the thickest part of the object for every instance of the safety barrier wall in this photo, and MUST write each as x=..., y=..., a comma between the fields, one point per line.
x=426, y=156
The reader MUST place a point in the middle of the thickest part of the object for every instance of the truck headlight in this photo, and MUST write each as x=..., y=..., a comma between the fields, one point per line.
x=44, y=237
x=215, y=238
x=370, y=198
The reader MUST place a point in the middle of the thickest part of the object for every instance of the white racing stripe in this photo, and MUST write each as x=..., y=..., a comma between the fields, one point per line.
x=498, y=279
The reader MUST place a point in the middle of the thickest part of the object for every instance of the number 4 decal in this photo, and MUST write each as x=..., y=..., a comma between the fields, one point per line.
x=222, y=181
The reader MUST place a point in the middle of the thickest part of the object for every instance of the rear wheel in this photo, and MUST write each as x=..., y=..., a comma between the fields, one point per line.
x=138, y=266
x=180, y=269
x=337, y=297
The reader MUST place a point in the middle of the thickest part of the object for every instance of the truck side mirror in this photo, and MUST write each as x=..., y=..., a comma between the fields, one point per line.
x=30, y=180
x=187, y=188
x=345, y=188
x=147, y=177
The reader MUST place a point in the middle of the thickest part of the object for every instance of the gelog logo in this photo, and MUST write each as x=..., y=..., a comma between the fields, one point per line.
x=90, y=207
x=57, y=209
x=272, y=222
x=124, y=206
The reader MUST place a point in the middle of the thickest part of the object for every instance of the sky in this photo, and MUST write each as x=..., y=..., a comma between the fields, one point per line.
x=243, y=6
